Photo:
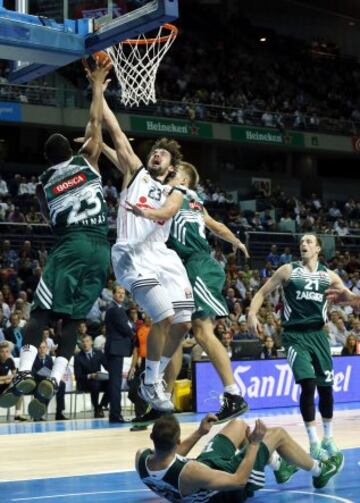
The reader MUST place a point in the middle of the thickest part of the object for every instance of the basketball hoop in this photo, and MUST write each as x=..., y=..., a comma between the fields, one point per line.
x=136, y=62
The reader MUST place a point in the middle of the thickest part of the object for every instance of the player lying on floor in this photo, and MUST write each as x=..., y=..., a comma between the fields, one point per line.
x=230, y=467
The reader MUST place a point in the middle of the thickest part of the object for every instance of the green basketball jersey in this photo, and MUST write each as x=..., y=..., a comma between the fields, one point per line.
x=74, y=196
x=304, y=298
x=166, y=483
x=187, y=234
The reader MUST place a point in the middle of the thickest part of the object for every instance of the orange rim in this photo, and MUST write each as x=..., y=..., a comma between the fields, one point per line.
x=148, y=41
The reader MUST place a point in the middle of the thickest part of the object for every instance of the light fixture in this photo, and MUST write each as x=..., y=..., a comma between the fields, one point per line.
x=263, y=39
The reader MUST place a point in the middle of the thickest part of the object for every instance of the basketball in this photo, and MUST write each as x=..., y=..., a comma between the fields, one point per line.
x=89, y=62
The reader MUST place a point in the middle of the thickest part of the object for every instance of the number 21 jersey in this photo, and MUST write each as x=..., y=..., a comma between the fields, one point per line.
x=74, y=196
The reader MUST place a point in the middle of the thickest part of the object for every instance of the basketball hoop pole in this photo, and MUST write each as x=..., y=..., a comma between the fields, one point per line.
x=22, y=6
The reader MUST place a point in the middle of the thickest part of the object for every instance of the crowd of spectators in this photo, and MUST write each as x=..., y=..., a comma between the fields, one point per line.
x=21, y=266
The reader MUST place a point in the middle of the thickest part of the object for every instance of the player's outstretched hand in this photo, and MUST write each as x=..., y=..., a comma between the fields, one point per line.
x=240, y=246
x=341, y=296
x=258, y=433
x=99, y=73
x=254, y=325
x=207, y=423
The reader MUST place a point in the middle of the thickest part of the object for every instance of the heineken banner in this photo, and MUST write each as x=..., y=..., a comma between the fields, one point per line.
x=266, y=136
x=160, y=126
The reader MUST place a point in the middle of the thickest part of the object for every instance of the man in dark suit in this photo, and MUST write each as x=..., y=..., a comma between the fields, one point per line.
x=41, y=370
x=119, y=343
x=86, y=365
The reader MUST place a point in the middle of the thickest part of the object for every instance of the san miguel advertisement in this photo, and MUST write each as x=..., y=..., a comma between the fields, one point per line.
x=270, y=383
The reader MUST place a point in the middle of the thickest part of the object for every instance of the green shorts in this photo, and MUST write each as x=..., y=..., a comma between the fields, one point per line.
x=74, y=275
x=207, y=278
x=220, y=454
x=309, y=356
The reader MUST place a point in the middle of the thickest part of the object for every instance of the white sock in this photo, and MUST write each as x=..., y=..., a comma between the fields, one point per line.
x=59, y=368
x=316, y=469
x=232, y=389
x=328, y=429
x=274, y=461
x=164, y=360
x=151, y=371
x=28, y=354
x=311, y=431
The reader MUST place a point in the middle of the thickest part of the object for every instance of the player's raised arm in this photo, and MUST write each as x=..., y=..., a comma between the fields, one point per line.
x=223, y=232
x=128, y=161
x=205, y=426
x=279, y=278
x=91, y=148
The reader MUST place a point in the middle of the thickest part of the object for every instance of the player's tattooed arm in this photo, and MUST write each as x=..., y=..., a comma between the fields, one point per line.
x=223, y=232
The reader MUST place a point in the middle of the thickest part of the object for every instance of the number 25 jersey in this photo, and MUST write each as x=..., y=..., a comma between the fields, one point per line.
x=74, y=196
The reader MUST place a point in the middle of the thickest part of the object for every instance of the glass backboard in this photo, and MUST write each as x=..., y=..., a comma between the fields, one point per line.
x=41, y=35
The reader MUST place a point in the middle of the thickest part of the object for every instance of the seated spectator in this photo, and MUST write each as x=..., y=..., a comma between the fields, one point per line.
x=273, y=256
x=355, y=329
x=100, y=340
x=41, y=369
x=4, y=191
x=7, y=374
x=5, y=308
x=109, y=190
x=269, y=352
x=267, y=221
x=267, y=271
x=340, y=333
x=286, y=257
x=243, y=333
x=231, y=299
x=272, y=327
x=15, y=334
x=226, y=340
x=86, y=365
x=350, y=347
x=218, y=255
x=49, y=341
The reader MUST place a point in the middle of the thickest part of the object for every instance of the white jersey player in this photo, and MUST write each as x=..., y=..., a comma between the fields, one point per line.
x=153, y=273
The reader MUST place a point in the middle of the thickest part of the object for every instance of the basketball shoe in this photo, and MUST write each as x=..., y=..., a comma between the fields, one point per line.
x=232, y=406
x=24, y=383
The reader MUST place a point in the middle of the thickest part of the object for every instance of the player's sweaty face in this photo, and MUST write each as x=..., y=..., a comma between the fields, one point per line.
x=159, y=161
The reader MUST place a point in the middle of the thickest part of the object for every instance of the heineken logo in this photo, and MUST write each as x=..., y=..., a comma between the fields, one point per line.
x=267, y=137
x=171, y=127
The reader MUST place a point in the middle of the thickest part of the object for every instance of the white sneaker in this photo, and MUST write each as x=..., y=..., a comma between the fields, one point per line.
x=317, y=452
x=329, y=446
x=154, y=395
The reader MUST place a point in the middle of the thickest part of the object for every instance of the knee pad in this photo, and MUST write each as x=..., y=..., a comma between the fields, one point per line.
x=307, y=402
x=326, y=401
x=154, y=301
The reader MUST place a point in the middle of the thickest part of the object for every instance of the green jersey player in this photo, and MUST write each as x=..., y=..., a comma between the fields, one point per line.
x=71, y=196
x=207, y=277
x=220, y=474
x=304, y=285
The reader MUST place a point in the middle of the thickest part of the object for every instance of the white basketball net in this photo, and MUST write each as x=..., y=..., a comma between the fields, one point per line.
x=136, y=63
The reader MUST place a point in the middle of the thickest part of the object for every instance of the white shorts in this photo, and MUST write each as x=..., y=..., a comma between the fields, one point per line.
x=153, y=264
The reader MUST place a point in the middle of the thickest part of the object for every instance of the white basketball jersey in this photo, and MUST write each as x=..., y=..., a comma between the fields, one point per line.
x=144, y=192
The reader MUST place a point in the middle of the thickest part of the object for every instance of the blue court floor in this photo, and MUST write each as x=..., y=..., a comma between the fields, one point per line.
x=125, y=486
